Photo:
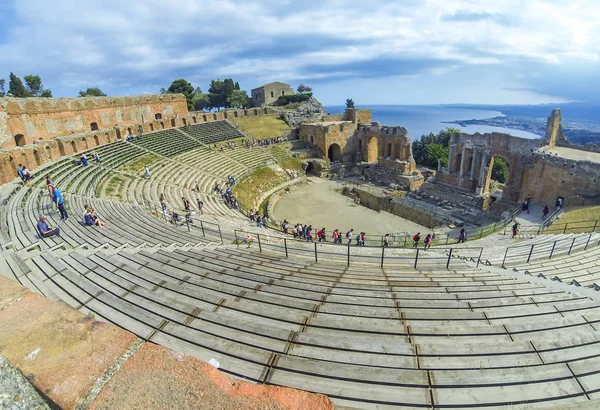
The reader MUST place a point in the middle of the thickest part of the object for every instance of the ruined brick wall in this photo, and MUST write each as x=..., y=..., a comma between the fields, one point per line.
x=551, y=177
x=386, y=145
x=30, y=119
x=358, y=116
x=324, y=135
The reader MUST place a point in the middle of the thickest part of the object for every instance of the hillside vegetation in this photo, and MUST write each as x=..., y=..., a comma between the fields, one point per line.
x=263, y=127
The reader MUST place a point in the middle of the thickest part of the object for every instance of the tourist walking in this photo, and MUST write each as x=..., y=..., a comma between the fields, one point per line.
x=386, y=240
x=186, y=204
x=20, y=172
x=349, y=236
x=60, y=204
x=147, y=172
x=416, y=240
x=462, y=236
x=322, y=235
x=200, y=206
x=26, y=175
x=427, y=241
x=258, y=221
x=515, y=229
x=545, y=213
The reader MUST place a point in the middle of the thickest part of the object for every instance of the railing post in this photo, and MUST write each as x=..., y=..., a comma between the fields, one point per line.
x=381, y=240
x=530, y=252
x=479, y=258
x=449, y=256
x=481, y=233
x=595, y=224
x=565, y=230
x=236, y=238
x=572, y=243
x=259, y=246
x=348, y=255
x=552, y=251
x=285, y=246
x=503, y=260
x=316, y=260
x=188, y=225
x=202, y=227
x=416, y=258
x=220, y=235
x=539, y=229
x=404, y=245
x=447, y=238
x=494, y=229
x=382, y=253
x=588, y=241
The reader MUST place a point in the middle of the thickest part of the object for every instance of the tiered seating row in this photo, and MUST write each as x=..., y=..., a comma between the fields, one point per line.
x=168, y=142
x=212, y=132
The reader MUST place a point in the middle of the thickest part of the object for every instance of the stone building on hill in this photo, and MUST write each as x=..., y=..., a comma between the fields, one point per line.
x=269, y=93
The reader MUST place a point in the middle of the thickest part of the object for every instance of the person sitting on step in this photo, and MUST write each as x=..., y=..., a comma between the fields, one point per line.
x=45, y=230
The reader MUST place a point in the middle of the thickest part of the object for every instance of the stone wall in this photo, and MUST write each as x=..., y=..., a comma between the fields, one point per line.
x=390, y=146
x=420, y=216
x=552, y=176
x=31, y=119
x=327, y=134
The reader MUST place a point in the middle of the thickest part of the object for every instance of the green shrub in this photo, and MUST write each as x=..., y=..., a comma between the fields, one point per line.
x=293, y=98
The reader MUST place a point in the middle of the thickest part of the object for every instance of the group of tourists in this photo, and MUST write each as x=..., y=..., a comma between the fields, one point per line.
x=261, y=221
x=428, y=238
x=24, y=174
x=227, y=193
x=90, y=218
x=262, y=142
x=43, y=228
x=130, y=137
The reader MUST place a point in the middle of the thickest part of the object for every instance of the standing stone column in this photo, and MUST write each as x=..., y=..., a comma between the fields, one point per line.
x=451, y=158
x=463, y=162
x=476, y=153
x=482, y=169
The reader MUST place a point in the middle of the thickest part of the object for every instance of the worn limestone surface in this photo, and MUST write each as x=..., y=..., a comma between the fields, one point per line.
x=60, y=350
x=16, y=393
x=182, y=382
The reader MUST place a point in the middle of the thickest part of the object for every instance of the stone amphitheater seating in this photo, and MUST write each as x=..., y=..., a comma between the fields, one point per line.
x=167, y=142
x=368, y=337
x=212, y=132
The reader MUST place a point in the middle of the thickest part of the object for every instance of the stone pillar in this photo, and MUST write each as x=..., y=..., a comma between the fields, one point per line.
x=463, y=162
x=482, y=169
x=476, y=152
x=451, y=158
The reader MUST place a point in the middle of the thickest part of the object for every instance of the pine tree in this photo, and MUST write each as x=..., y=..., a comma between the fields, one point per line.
x=16, y=87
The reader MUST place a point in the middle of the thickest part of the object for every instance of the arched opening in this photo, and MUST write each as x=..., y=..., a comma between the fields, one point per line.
x=235, y=114
x=118, y=132
x=158, y=116
x=73, y=147
x=173, y=122
x=245, y=113
x=215, y=117
x=36, y=157
x=19, y=140
x=469, y=164
x=389, y=149
x=184, y=122
x=266, y=111
x=334, y=152
x=48, y=153
x=85, y=143
x=129, y=131
x=162, y=125
x=372, y=150
x=94, y=126
x=225, y=114
x=204, y=118
x=96, y=140
x=194, y=119
x=107, y=137
x=255, y=111
x=312, y=139
x=151, y=127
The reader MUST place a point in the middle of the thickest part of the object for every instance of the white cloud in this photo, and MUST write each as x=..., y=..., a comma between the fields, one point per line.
x=137, y=45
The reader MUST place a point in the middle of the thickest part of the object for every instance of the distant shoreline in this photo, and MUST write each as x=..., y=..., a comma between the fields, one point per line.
x=522, y=124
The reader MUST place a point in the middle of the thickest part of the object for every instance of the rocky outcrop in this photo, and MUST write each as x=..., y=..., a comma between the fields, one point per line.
x=310, y=110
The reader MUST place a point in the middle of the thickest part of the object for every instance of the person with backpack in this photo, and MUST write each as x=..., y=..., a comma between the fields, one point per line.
x=186, y=204
x=349, y=236
x=322, y=235
x=416, y=240
x=258, y=221
x=200, y=206
x=427, y=241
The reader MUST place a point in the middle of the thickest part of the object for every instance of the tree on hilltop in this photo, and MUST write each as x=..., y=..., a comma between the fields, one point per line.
x=91, y=92
x=2, y=84
x=16, y=87
x=46, y=94
x=349, y=103
x=239, y=98
x=34, y=85
x=182, y=86
x=303, y=89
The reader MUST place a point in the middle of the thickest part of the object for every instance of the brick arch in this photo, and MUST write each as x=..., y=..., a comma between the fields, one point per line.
x=48, y=153
x=74, y=147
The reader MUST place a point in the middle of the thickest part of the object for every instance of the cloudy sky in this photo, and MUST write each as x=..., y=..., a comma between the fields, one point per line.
x=376, y=51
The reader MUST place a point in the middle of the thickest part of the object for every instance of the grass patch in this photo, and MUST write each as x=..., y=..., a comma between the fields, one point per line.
x=291, y=164
x=281, y=151
x=263, y=127
x=576, y=220
x=249, y=190
x=137, y=165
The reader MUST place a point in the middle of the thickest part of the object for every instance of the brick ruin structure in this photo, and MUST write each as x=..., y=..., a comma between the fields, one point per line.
x=544, y=168
x=35, y=131
x=352, y=138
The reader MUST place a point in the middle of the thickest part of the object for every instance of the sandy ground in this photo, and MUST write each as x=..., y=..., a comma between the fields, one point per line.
x=317, y=204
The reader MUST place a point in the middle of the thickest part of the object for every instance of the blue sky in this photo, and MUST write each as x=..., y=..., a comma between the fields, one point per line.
x=376, y=52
